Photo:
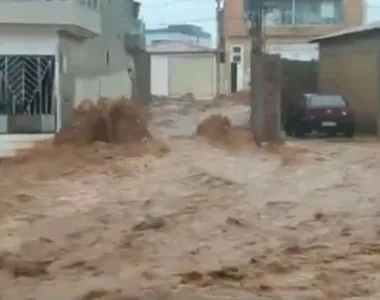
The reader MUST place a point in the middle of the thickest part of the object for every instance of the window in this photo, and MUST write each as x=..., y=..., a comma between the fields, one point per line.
x=278, y=13
x=236, y=49
x=222, y=57
x=326, y=101
x=62, y=63
x=108, y=57
x=236, y=58
x=303, y=12
x=93, y=4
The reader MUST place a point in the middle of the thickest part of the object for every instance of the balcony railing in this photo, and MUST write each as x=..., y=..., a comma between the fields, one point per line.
x=73, y=16
x=91, y=4
x=299, y=18
x=301, y=12
x=134, y=38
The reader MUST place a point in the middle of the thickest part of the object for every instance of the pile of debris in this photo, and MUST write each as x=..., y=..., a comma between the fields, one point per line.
x=95, y=132
x=218, y=130
x=110, y=121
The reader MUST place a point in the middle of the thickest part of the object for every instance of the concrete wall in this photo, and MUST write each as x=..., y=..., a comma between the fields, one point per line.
x=28, y=40
x=106, y=86
x=104, y=54
x=296, y=50
x=141, y=78
x=101, y=63
x=351, y=67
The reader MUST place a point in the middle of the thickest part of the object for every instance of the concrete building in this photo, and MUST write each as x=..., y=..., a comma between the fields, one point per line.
x=289, y=25
x=56, y=53
x=349, y=64
x=180, y=68
x=182, y=33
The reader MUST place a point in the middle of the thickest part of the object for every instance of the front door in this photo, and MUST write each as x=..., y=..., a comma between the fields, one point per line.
x=233, y=78
x=27, y=92
x=236, y=58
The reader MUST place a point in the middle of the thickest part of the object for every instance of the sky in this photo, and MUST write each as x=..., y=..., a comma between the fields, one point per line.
x=160, y=13
x=373, y=11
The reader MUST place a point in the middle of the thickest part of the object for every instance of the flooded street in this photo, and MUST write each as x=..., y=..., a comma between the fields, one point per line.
x=201, y=221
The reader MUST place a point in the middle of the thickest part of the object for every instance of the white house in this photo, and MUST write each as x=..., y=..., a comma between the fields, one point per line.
x=58, y=52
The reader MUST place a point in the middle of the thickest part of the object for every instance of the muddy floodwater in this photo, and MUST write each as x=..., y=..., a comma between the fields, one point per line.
x=297, y=222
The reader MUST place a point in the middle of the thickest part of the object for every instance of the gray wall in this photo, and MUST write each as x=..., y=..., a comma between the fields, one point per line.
x=89, y=57
x=350, y=66
x=141, y=88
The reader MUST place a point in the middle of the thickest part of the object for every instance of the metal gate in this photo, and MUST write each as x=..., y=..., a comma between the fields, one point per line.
x=27, y=102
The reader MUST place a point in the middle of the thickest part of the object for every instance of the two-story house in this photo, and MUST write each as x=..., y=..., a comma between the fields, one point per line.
x=288, y=26
x=54, y=53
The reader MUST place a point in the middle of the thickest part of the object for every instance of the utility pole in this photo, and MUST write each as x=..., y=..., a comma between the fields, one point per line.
x=218, y=44
x=265, y=81
x=257, y=65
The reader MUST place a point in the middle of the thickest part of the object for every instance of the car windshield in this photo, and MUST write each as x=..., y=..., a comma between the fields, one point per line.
x=326, y=101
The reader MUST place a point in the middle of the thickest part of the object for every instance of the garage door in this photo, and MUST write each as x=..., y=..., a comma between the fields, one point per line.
x=159, y=75
x=192, y=74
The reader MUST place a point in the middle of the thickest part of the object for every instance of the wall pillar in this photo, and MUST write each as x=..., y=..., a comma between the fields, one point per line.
x=378, y=95
x=293, y=12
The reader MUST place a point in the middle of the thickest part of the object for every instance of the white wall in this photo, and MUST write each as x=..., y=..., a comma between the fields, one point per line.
x=109, y=86
x=25, y=41
x=303, y=52
x=177, y=37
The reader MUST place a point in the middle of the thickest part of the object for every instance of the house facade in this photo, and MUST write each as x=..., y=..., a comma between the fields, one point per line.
x=182, y=33
x=289, y=25
x=55, y=53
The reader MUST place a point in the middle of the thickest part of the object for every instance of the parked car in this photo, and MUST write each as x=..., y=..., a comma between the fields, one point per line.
x=329, y=114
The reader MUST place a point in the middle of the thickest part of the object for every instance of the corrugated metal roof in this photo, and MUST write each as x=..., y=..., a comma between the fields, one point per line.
x=177, y=47
x=354, y=30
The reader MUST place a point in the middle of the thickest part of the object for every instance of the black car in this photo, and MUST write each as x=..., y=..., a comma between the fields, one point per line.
x=329, y=114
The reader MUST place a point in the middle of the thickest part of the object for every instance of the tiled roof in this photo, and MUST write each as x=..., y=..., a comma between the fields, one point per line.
x=177, y=47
